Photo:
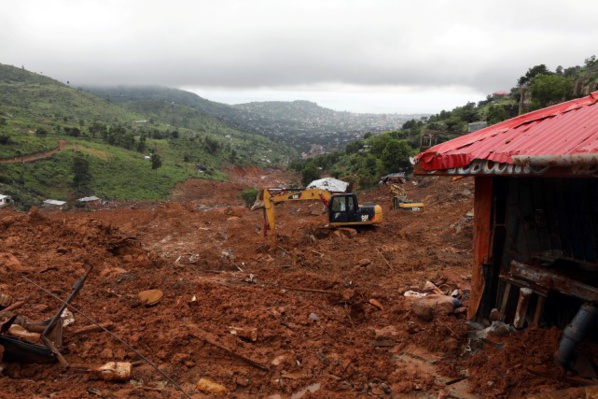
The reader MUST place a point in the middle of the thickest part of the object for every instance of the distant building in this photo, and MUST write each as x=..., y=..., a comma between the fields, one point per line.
x=5, y=200
x=475, y=126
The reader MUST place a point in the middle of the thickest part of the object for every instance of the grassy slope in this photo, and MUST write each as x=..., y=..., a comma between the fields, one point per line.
x=34, y=110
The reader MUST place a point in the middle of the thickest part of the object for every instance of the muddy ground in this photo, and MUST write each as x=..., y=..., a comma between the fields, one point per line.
x=324, y=311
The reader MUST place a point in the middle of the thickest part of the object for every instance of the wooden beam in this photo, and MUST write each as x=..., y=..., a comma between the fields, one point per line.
x=482, y=225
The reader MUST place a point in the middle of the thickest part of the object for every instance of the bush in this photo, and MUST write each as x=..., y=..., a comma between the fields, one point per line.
x=249, y=196
x=5, y=139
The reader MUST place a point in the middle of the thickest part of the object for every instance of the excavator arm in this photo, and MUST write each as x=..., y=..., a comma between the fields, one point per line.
x=273, y=196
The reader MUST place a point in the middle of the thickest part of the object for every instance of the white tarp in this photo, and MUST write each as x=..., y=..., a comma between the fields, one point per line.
x=54, y=202
x=88, y=199
x=329, y=184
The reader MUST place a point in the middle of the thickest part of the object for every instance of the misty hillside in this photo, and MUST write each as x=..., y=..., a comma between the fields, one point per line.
x=58, y=142
x=298, y=124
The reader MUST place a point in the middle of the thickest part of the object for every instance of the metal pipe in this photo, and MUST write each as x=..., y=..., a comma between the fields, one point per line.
x=556, y=160
x=574, y=333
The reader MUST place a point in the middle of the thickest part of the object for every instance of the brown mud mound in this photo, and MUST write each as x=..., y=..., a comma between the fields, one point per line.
x=312, y=315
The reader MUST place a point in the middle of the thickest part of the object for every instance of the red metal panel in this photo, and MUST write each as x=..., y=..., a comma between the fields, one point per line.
x=563, y=129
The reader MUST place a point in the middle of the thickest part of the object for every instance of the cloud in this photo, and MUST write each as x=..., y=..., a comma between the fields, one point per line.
x=241, y=45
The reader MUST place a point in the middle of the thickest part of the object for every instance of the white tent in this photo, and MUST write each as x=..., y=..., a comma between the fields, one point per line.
x=329, y=184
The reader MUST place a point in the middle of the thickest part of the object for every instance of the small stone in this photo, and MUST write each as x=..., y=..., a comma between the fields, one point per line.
x=495, y=315
x=209, y=386
x=278, y=360
x=242, y=382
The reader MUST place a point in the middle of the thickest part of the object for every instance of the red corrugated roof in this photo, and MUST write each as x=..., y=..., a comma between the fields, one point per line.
x=563, y=129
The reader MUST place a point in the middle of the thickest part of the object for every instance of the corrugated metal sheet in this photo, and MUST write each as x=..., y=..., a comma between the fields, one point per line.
x=563, y=129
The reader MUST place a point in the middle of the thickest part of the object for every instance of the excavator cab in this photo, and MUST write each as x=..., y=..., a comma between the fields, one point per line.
x=344, y=210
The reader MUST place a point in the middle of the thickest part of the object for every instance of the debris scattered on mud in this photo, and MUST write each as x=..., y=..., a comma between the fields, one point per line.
x=236, y=311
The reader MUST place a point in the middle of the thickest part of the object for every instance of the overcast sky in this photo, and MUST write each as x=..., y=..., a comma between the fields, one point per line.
x=381, y=56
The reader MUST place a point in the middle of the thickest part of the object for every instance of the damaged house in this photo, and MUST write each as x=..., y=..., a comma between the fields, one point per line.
x=536, y=218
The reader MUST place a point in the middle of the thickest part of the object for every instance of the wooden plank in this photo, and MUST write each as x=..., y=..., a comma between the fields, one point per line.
x=481, y=239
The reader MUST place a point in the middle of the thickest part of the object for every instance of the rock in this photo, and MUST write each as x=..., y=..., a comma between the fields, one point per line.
x=495, y=315
x=278, y=360
x=248, y=333
x=426, y=308
x=431, y=287
x=114, y=371
x=150, y=297
x=242, y=382
x=107, y=353
x=347, y=294
x=387, y=332
x=500, y=329
x=5, y=300
x=364, y=262
x=209, y=386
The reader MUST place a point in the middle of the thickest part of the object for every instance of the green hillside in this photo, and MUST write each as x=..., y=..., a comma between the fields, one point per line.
x=112, y=142
x=298, y=125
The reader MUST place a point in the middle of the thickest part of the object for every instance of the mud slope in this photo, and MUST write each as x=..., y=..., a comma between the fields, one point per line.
x=323, y=313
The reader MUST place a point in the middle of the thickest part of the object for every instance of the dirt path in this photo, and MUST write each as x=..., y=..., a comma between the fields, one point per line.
x=38, y=156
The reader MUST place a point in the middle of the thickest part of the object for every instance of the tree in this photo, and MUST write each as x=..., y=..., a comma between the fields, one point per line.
x=155, y=160
x=142, y=144
x=496, y=113
x=532, y=73
x=370, y=168
x=455, y=124
x=549, y=89
x=396, y=156
x=379, y=143
x=468, y=113
x=309, y=173
x=211, y=145
x=249, y=196
x=353, y=147
x=72, y=131
x=81, y=175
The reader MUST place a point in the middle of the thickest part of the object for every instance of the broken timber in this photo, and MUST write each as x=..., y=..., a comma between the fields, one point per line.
x=210, y=339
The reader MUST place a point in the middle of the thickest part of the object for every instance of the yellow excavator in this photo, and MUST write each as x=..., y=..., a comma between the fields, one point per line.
x=343, y=208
